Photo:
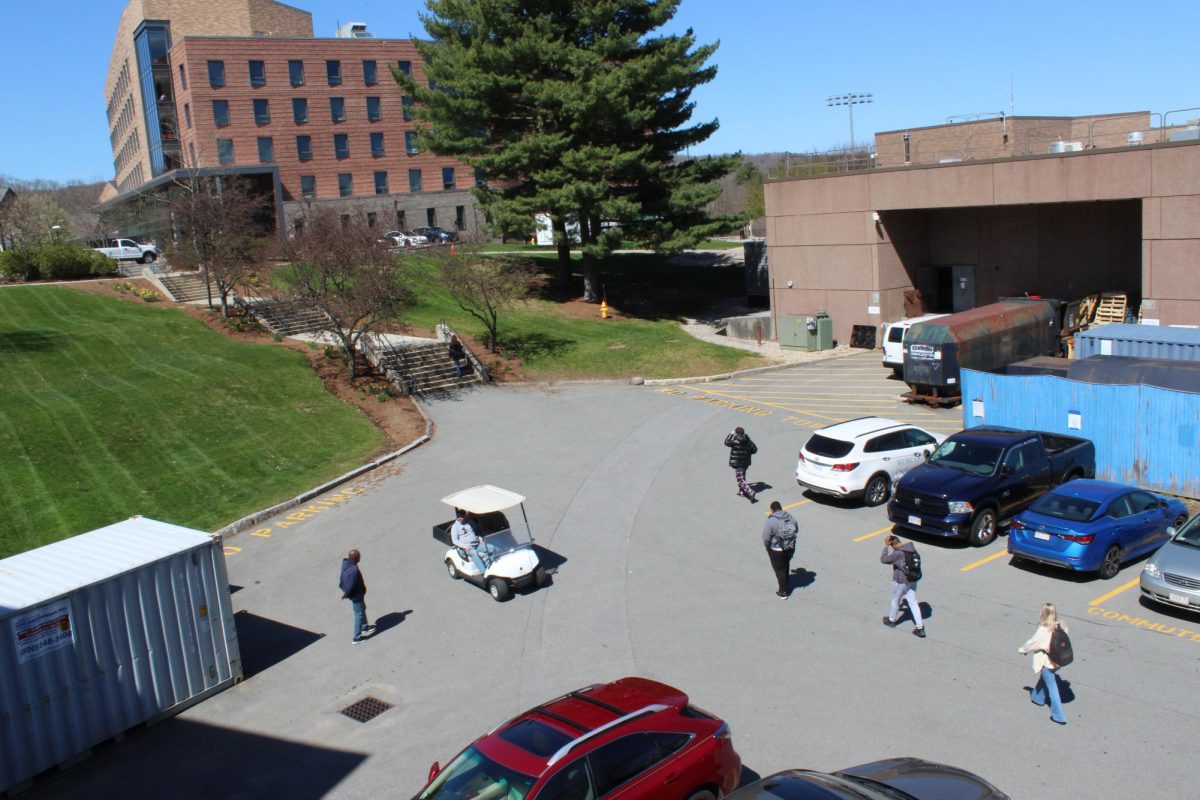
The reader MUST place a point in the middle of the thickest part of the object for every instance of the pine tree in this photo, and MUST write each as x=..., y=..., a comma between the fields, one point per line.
x=577, y=109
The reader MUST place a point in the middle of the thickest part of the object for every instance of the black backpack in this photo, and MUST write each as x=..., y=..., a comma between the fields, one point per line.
x=912, y=565
x=1060, y=652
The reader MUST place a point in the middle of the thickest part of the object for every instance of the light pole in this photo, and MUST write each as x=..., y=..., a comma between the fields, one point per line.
x=850, y=100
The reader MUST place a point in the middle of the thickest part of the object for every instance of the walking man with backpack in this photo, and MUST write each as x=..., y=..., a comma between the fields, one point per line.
x=779, y=537
x=1051, y=649
x=906, y=571
x=741, y=449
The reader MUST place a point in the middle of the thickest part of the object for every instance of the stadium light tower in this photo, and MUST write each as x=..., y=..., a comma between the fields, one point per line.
x=850, y=100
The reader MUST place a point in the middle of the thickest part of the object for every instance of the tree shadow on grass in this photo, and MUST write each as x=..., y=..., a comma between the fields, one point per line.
x=30, y=341
x=535, y=344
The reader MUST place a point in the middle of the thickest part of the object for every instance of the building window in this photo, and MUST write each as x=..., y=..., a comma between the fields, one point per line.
x=377, y=144
x=333, y=71
x=304, y=148
x=182, y=77
x=374, y=110
x=296, y=73
x=220, y=113
x=370, y=73
x=404, y=67
x=345, y=221
x=216, y=73
x=345, y=184
x=480, y=177
x=298, y=225
x=406, y=107
x=372, y=218
x=410, y=143
x=341, y=145
x=447, y=177
x=401, y=219
x=308, y=186
x=299, y=110
x=262, y=111
x=337, y=109
x=460, y=217
x=266, y=150
x=225, y=151
x=431, y=217
x=414, y=180
x=258, y=73
x=187, y=115
x=432, y=85
x=381, y=183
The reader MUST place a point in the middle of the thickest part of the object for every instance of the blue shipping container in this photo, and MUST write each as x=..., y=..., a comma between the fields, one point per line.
x=1143, y=341
x=1144, y=435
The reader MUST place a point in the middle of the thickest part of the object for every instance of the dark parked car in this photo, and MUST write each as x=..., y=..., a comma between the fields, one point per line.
x=981, y=476
x=890, y=779
x=437, y=235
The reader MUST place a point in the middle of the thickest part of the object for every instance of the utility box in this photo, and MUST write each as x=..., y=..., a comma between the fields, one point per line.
x=806, y=333
x=105, y=631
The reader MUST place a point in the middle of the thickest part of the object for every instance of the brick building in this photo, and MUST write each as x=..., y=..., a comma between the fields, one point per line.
x=242, y=87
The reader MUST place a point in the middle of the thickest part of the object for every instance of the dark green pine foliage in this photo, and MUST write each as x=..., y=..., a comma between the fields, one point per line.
x=577, y=109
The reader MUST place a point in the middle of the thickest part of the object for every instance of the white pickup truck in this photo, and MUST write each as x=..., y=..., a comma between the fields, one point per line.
x=129, y=250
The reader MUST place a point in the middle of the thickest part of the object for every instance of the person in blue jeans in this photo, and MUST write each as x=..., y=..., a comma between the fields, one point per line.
x=354, y=589
x=1047, y=671
x=464, y=537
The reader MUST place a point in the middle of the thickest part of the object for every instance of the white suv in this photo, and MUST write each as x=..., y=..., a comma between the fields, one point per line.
x=893, y=341
x=862, y=457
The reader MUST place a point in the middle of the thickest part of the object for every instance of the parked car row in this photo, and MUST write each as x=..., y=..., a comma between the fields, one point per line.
x=635, y=738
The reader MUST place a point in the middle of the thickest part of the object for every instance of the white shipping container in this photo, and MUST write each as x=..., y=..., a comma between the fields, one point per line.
x=105, y=631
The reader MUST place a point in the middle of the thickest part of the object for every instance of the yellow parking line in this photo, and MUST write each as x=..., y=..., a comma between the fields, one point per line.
x=866, y=536
x=983, y=561
x=793, y=505
x=1115, y=592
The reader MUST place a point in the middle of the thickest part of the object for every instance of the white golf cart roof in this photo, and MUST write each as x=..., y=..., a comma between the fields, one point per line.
x=483, y=499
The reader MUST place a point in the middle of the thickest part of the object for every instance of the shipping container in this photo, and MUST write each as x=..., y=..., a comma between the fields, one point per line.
x=1143, y=341
x=1165, y=373
x=1040, y=365
x=988, y=338
x=106, y=631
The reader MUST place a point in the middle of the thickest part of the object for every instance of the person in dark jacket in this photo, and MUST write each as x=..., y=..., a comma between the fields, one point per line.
x=457, y=353
x=902, y=587
x=354, y=589
x=741, y=448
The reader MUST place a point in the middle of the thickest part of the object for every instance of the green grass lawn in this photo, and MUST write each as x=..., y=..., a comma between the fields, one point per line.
x=649, y=342
x=110, y=409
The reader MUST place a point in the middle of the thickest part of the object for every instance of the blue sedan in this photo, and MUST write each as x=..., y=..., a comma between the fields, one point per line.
x=1093, y=526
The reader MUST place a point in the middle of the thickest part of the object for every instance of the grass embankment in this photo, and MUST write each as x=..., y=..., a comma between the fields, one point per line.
x=109, y=409
x=558, y=342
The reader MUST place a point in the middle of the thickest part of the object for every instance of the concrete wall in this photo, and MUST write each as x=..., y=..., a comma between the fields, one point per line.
x=1027, y=224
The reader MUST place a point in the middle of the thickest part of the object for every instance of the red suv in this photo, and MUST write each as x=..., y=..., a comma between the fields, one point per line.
x=630, y=739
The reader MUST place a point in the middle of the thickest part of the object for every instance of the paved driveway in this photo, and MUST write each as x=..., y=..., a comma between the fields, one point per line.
x=661, y=573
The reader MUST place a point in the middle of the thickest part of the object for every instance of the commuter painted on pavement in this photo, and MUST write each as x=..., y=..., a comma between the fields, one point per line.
x=463, y=536
x=1047, y=670
x=779, y=538
x=354, y=589
x=741, y=448
x=906, y=571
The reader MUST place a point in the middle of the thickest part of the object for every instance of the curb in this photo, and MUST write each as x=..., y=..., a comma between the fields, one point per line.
x=251, y=520
x=724, y=376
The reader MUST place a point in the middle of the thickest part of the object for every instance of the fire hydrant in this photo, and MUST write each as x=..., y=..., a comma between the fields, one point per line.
x=603, y=309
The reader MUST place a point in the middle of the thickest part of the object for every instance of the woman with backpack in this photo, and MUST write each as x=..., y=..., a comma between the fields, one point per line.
x=457, y=354
x=741, y=448
x=906, y=571
x=1049, y=638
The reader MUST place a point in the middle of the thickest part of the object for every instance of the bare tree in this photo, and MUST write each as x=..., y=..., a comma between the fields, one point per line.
x=339, y=268
x=219, y=230
x=31, y=220
x=484, y=286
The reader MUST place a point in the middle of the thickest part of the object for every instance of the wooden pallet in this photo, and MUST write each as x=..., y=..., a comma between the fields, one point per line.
x=1111, y=308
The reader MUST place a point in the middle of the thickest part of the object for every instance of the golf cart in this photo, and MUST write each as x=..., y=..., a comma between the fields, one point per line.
x=509, y=559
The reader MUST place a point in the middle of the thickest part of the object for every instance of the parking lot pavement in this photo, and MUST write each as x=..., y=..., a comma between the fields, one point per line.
x=661, y=572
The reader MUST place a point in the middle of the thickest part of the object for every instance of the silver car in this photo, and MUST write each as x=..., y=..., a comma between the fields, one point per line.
x=1172, y=575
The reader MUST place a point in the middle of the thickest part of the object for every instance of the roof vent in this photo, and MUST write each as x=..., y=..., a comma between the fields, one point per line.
x=353, y=30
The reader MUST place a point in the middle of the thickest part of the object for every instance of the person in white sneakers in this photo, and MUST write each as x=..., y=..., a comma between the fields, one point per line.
x=906, y=571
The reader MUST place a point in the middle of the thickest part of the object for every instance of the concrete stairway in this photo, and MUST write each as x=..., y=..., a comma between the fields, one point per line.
x=287, y=319
x=426, y=368
x=186, y=287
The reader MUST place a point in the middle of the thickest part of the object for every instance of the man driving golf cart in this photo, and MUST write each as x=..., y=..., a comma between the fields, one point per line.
x=464, y=537
x=485, y=549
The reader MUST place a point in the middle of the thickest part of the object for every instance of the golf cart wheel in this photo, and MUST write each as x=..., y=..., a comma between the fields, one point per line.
x=498, y=589
x=540, y=577
x=451, y=570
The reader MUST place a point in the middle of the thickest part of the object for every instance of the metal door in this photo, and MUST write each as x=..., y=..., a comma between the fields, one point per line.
x=962, y=286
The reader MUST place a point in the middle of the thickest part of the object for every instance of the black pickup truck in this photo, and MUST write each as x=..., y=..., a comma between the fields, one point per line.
x=982, y=476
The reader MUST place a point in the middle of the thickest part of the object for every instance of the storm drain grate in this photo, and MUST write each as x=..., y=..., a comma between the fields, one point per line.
x=366, y=709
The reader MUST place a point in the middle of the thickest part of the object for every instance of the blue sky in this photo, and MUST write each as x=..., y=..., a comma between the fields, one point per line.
x=778, y=61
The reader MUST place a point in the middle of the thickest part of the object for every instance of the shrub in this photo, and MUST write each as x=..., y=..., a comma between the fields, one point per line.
x=149, y=295
x=18, y=265
x=70, y=261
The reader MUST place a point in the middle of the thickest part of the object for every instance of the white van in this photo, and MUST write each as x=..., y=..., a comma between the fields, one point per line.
x=893, y=340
